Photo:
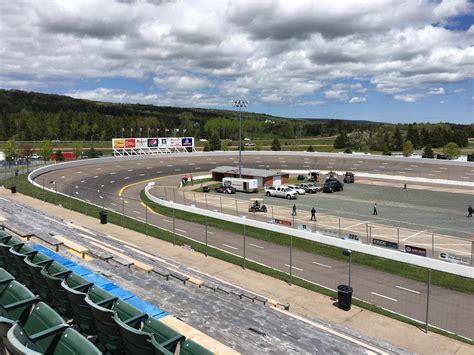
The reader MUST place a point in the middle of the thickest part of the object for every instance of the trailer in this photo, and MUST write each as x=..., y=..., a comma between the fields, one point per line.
x=243, y=185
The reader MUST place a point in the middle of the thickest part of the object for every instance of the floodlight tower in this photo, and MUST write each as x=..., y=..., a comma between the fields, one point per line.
x=240, y=104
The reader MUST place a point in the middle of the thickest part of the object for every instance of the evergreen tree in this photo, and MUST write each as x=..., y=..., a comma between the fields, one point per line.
x=276, y=146
x=428, y=152
x=59, y=155
x=46, y=150
x=10, y=150
x=341, y=140
x=397, y=140
x=413, y=136
x=206, y=148
x=215, y=142
x=310, y=149
x=407, y=148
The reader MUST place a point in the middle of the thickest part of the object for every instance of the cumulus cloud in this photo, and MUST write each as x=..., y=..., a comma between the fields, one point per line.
x=278, y=52
x=357, y=100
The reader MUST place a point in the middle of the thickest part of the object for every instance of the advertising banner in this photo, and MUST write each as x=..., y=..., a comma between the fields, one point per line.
x=282, y=222
x=415, y=250
x=174, y=142
x=384, y=243
x=152, y=143
x=130, y=143
x=187, y=142
x=453, y=258
x=118, y=143
x=163, y=143
x=141, y=143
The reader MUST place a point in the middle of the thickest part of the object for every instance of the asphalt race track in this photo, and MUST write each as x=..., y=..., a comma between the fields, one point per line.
x=101, y=181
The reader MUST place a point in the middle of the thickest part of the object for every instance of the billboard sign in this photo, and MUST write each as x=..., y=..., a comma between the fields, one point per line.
x=118, y=143
x=283, y=222
x=152, y=143
x=187, y=142
x=415, y=250
x=453, y=258
x=384, y=243
x=130, y=143
x=142, y=143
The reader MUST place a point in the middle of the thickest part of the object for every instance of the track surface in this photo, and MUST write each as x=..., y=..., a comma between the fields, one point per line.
x=100, y=184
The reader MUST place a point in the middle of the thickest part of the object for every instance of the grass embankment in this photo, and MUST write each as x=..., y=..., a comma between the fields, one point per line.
x=24, y=187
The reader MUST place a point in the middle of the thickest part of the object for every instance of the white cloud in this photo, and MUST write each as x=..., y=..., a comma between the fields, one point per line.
x=410, y=98
x=276, y=51
x=357, y=100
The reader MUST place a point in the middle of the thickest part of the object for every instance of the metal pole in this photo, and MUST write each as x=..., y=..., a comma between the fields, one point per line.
x=221, y=203
x=166, y=195
x=272, y=215
x=205, y=196
x=236, y=208
x=184, y=196
x=350, y=266
x=86, y=207
x=44, y=192
x=240, y=142
x=339, y=227
x=244, y=245
x=123, y=213
x=195, y=203
x=370, y=234
x=428, y=301
x=206, y=234
x=367, y=232
x=70, y=200
x=174, y=227
x=174, y=195
x=432, y=245
x=291, y=259
x=146, y=220
x=398, y=237
x=472, y=253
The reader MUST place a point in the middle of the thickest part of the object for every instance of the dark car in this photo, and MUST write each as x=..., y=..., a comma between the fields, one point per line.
x=225, y=189
x=332, y=185
x=348, y=177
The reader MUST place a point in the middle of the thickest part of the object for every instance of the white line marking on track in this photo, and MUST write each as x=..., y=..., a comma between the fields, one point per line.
x=83, y=180
x=210, y=232
x=389, y=298
x=112, y=181
x=167, y=220
x=113, y=204
x=182, y=231
x=323, y=265
x=294, y=267
x=230, y=246
x=142, y=174
x=257, y=246
x=408, y=289
x=354, y=225
x=413, y=235
x=126, y=178
x=113, y=173
x=137, y=212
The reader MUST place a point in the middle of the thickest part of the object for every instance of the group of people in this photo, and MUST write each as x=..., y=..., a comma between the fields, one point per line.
x=313, y=213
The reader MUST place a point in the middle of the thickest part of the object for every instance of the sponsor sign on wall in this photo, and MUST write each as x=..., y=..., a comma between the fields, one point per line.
x=282, y=222
x=142, y=143
x=384, y=243
x=415, y=250
x=457, y=259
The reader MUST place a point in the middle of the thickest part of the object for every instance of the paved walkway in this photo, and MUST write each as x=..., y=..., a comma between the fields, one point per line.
x=302, y=301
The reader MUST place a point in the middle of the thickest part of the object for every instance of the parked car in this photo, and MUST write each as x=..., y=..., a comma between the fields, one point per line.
x=250, y=144
x=298, y=189
x=349, y=177
x=310, y=188
x=225, y=189
x=35, y=156
x=281, y=191
x=332, y=185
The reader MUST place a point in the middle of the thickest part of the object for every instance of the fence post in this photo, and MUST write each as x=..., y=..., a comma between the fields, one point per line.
x=184, y=196
x=195, y=203
x=236, y=208
x=432, y=245
x=370, y=234
x=123, y=212
x=206, y=234
x=44, y=192
x=166, y=194
x=174, y=227
x=205, y=196
x=291, y=258
x=86, y=207
x=398, y=237
x=244, y=244
x=472, y=253
x=70, y=200
x=273, y=218
x=339, y=227
x=428, y=301
x=146, y=220
x=174, y=194
x=221, y=204
x=367, y=232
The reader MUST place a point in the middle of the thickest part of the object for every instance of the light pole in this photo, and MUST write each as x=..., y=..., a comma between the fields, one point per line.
x=240, y=104
x=348, y=252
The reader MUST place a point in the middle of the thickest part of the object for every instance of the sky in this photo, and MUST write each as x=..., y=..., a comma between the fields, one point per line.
x=379, y=60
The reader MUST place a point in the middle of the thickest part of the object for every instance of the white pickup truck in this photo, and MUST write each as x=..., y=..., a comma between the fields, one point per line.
x=281, y=191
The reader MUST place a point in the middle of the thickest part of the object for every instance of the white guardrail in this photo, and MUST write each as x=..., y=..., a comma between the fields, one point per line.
x=433, y=264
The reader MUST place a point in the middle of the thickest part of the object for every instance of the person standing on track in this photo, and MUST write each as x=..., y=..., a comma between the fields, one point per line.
x=469, y=211
x=375, y=213
x=313, y=214
x=294, y=210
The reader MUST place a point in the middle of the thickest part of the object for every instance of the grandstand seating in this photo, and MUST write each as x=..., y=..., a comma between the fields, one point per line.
x=80, y=299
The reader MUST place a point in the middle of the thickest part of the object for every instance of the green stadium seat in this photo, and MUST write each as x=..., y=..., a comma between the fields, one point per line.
x=60, y=300
x=166, y=336
x=81, y=312
x=3, y=234
x=5, y=245
x=158, y=349
x=15, y=258
x=16, y=302
x=38, y=259
x=101, y=303
x=5, y=279
x=189, y=347
x=73, y=343
x=40, y=285
x=39, y=331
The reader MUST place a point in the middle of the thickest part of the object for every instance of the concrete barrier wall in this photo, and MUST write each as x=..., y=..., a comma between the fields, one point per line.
x=433, y=264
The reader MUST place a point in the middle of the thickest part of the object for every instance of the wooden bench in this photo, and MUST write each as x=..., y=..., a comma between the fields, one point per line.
x=195, y=281
x=73, y=245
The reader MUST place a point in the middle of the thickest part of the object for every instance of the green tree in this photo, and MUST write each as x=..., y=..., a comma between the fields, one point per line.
x=59, y=155
x=215, y=142
x=342, y=141
x=207, y=148
x=407, y=148
x=92, y=153
x=76, y=148
x=276, y=146
x=225, y=146
x=428, y=152
x=46, y=150
x=397, y=143
x=451, y=150
x=310, y=149
x=10, y=150
x=413, y=136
